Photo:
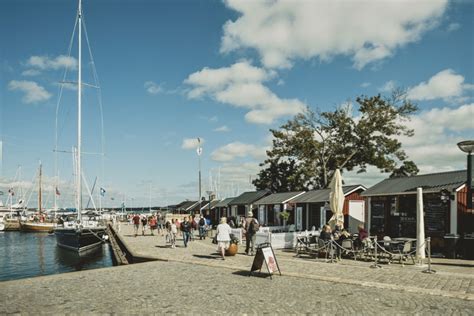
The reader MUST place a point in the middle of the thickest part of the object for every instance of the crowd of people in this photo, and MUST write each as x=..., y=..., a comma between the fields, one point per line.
x=188, y=227
x=191, y=227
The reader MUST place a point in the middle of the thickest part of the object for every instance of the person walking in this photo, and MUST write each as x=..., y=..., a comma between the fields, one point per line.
x=174, y=232
x=186, y=229
x=144, y=222
x=178, y=225
x=223, y=236
x=160, y=221
x=152, y=223
x=136, y=223
x=251, y=228
x=202, y=228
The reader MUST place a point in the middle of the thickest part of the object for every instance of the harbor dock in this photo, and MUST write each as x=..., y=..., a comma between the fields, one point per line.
x=194, y=280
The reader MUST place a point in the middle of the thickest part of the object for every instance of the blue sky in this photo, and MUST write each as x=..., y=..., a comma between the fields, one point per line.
x=225, y=71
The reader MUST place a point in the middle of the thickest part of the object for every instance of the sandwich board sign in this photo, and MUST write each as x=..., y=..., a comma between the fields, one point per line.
x=265, y=254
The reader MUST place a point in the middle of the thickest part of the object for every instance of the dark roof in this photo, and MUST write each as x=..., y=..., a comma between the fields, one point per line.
x=196, y=206
x=224, y=203
x=322, y=195
x=249, y=197
x=434, y=182
x=278, y=198
x=185, y=205
x=206, y=205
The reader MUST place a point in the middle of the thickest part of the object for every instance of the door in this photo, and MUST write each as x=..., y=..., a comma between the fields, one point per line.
x=299, y=218
x=356, y=215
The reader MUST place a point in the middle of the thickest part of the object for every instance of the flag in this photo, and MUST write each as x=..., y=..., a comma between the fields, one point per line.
x=10, y=192
x=57, y=191
x=102, y=191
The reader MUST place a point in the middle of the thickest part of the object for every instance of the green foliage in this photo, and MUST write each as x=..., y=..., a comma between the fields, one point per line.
x=284, y=215
x=407, y=169
x=313, y=144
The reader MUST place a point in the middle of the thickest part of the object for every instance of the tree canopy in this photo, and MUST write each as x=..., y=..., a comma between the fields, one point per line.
x=311, y=145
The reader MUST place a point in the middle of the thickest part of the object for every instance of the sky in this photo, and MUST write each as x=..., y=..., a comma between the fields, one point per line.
x=225, y=72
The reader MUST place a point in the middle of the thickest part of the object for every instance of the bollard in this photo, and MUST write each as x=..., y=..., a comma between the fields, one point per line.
x=376, y=263
x=428, y=241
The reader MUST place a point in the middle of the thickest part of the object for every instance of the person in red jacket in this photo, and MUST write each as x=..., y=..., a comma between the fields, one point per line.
x=136, y=223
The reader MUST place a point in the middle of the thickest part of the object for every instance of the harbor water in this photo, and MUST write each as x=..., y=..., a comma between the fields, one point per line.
x=24, y=255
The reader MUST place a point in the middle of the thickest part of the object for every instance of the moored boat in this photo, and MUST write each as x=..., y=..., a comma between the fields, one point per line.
x=85, y=232
x=37, y=226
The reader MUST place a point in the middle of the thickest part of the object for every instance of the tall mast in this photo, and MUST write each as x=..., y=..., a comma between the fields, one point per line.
x=39, y=189
x=79, y=114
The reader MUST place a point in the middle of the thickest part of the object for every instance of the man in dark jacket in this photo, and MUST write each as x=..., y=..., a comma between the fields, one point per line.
x=186, y=229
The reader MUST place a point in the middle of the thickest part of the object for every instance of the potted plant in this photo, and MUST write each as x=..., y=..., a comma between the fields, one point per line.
x=284, y=216
x=233, y=247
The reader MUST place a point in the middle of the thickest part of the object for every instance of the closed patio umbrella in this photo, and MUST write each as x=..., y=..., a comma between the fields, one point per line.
x=336, y=199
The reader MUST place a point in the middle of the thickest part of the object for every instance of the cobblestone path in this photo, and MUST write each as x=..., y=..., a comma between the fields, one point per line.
x=194, y=281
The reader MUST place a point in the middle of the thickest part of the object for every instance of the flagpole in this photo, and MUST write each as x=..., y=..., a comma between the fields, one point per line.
x=100, y=200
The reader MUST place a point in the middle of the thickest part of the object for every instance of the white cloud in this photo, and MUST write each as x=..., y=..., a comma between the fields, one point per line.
x=241, y=85
x=453, y=27
x=191, y=143
x=47, y=63
x=152, y=87
x=222, y=128
x=388, y=87
x=365, y=84
x=437, y=131
x=234, y=150
x=444, y=85
x=34, y=93
x=283, y=31
x=31, y=73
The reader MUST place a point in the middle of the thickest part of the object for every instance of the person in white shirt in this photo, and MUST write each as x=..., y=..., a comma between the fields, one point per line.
x=174, y=232
x=223, y=236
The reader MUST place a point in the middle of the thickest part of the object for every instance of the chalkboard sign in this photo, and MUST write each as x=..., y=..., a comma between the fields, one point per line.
x=435, y=215
x=265, y=254
x=377, y=216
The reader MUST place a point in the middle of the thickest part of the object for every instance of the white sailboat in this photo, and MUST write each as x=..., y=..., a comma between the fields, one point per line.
x=10, y=213
x=86, y=231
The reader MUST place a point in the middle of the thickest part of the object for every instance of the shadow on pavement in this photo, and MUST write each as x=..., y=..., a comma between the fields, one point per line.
x=246, y=273
x=206, y=257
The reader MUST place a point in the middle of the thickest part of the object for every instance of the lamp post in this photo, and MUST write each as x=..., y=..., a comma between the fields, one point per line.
x=467, y=146
x=199, y=153
x=210, y=194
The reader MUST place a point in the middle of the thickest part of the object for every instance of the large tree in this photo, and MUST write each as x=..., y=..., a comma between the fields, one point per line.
x=313, y=144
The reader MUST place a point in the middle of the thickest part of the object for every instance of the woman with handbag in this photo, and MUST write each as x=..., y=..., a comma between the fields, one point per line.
x=223, y=236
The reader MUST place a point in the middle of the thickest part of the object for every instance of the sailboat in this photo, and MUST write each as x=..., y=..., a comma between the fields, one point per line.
x=39, y=222
x=86, y=232
x=10, y=213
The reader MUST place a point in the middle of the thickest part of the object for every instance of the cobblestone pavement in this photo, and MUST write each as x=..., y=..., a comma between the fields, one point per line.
x=181, y=288
x=194, y=281
x=450, y=281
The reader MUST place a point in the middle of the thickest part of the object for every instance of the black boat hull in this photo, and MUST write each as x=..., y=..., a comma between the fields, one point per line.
x=79, y=240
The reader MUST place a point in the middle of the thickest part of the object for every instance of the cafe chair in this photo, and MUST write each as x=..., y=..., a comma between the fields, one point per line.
x=405, y=252
x=347, y=246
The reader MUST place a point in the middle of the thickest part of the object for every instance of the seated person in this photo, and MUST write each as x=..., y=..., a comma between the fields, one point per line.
x=326, y=233
x=363, y=235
